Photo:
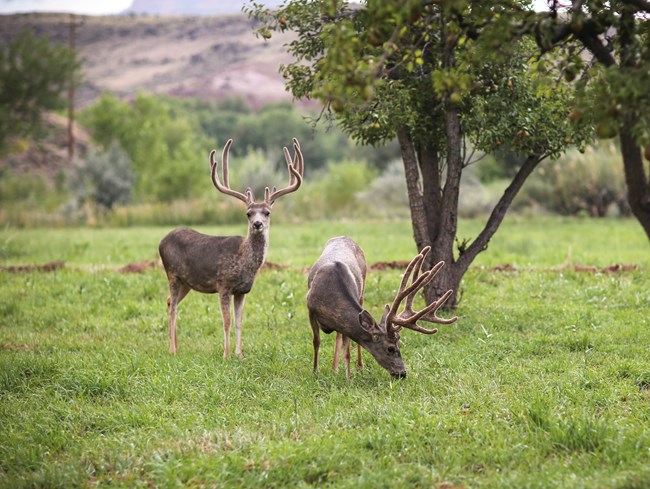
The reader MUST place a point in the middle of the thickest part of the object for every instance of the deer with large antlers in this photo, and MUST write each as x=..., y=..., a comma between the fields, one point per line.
x=226, y=265
x=335, y=293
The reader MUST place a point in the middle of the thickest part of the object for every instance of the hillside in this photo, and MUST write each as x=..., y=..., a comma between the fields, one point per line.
x=210, y=57
x=207, y=57
x=191, y=7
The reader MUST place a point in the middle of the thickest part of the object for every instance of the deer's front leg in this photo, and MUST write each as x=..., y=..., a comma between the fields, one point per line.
x=337, y=351
x=239, y=315
x=346, y=355
x=171, y=321
x=225, y=313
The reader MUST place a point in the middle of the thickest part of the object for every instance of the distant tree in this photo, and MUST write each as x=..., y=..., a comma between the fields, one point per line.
x=432, y=75
x=273, y=127
x=33, y=77
x=168, y=152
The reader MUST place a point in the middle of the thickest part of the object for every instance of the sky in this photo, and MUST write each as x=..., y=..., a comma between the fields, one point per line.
x=92, y=7
x=73, y=6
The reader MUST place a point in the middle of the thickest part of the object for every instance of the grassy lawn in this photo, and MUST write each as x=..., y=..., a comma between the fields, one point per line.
x=543, y=382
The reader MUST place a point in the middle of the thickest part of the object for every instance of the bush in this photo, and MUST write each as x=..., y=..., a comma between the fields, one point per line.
x=590, y=183
x=386, y=195
x=339, y=187
x=20, y=188
x=104, y=177
x=476, y=198
x=256, y=171
x=29, y=200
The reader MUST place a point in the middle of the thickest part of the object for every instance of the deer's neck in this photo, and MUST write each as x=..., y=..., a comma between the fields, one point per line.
x=256, y=245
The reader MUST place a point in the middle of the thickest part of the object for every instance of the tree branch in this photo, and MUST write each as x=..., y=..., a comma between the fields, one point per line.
x=596, y=47
x=499, y=212
x=640, y=4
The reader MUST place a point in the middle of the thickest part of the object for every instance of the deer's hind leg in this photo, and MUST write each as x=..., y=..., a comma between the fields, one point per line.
x=315, y=329
x=177, y=292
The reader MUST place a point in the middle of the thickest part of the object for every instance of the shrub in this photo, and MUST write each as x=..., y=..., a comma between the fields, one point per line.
x=339, y=187
x=104, y=177
x=476, y=198
x=256, y=171
x=590, y=183
x=386, y=195
x=20, y=188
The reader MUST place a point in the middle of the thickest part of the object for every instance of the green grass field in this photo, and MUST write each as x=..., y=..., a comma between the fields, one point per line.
x=543, y=382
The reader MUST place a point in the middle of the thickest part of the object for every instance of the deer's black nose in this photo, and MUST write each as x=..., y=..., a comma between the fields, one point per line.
x=399, y=375
x=257, y=225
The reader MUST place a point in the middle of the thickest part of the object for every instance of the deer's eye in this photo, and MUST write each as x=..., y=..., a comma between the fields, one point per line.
x=391, y=350
x=267, y=213
x=249, y=214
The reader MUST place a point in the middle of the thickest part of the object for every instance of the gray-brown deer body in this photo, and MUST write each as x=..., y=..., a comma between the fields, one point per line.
x=334, y=300
x=224, y=265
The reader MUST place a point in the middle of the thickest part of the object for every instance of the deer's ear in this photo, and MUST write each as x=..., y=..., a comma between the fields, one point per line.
x=367, y=322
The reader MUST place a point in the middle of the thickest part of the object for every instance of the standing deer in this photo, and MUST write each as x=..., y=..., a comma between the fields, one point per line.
x=335, y=293
x=226, y=265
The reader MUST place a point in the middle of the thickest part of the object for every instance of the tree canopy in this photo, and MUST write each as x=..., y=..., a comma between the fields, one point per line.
x=33, y=77
x=441, y=78
x=605, y=47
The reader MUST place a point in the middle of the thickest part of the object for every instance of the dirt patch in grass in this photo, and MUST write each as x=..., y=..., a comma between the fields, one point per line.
x=139, y=267
x=16, y=346
x=41, y=267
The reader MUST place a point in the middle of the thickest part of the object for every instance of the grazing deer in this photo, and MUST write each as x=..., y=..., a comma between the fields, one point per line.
x=226, y=265
x=335, y=293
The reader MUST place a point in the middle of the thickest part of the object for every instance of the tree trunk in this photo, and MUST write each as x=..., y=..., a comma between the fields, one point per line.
x=439, y=230
x=450, y=275
x=416, y=205
x=636, y=179
x=429, y=161
x=638, y=189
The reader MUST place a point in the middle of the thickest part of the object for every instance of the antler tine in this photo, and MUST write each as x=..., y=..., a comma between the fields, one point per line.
x=300, y=161
x=409, y=299
x=295, y=173
x=408, y=318
x=225, y=187
x=404, y=291
x=408, y=314
x=224, y=162
x=287, y=157
x=427, y=314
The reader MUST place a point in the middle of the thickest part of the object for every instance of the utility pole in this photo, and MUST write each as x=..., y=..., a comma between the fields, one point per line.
x=71, y=87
